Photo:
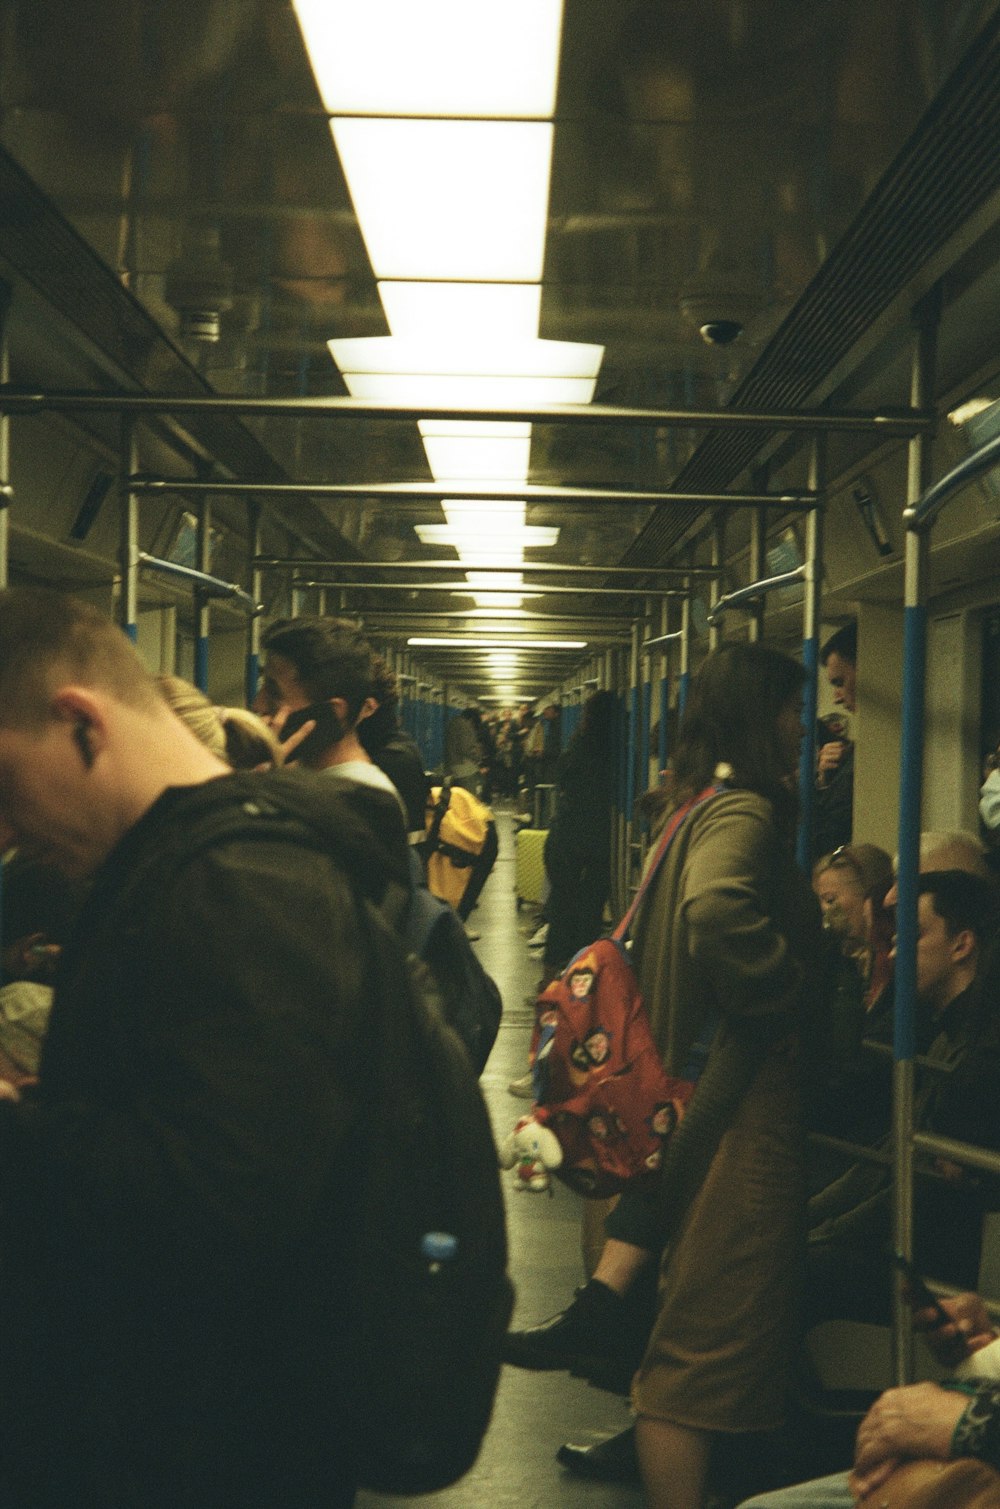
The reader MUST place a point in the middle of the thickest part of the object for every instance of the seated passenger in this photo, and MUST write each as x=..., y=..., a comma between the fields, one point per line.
x=853, y=1098
x=920, y=1422
x=849, y=1220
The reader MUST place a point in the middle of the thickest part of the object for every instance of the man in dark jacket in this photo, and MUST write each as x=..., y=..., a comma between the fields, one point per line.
x=177, y=1193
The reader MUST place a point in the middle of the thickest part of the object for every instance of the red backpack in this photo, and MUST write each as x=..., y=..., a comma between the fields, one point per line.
x=599, y=1082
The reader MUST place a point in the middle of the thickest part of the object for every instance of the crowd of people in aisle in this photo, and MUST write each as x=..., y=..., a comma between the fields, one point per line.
x=148, y=1140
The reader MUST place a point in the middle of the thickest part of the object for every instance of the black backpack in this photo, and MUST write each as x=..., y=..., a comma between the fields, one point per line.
x=432, y=929
x=430, y=1298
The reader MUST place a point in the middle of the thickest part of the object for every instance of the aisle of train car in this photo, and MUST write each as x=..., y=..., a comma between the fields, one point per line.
x=535, y=1412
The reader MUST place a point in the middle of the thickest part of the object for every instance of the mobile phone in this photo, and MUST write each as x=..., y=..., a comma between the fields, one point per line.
x=328, y=731
x=920, y=1296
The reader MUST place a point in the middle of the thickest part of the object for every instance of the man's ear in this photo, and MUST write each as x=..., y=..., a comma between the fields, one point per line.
x=85, y=713
x=368, y=706
x=963, y=945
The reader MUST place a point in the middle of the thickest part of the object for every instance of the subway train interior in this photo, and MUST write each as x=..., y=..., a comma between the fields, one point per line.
x=557, y=342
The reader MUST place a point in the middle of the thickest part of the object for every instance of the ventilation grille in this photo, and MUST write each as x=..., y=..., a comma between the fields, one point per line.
x=947, y=170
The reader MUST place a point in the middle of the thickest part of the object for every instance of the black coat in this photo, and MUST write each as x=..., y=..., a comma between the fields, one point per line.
x=177, y=1197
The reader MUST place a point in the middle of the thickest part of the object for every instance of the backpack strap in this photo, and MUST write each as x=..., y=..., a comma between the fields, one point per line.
x=677, y=819
x=433, y=839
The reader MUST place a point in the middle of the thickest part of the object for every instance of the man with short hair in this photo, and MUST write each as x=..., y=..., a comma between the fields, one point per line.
x=177, y=1192
x=324, y=669
x=833, y=802
x=849, y=1219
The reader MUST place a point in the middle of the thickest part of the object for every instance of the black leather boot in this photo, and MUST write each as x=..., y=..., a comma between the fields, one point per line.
x=586, y=1334
x=610, y=1461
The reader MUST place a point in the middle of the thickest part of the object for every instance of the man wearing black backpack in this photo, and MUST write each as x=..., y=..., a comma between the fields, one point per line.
x=184, y=1192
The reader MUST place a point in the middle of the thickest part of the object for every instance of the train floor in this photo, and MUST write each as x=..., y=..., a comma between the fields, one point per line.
x=535, y=1412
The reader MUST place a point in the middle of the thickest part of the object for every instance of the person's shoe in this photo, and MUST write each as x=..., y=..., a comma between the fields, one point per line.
x=610, y=1461
x=538, y=937
x=578, y=1338
x=523, y=1088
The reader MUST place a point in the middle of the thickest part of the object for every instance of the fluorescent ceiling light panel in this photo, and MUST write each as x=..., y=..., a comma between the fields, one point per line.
x=496, y=311
x=437, y=199
x=484, y=429
x=496, y=604
x=496, y=393
x=470, y=355
x=438, y=57
x=494, y=581
x=462, y=642
x=477, y=457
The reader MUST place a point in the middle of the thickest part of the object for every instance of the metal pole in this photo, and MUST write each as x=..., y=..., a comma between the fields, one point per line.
x=563, y=568
x=5, y=487
x=128, y=538
x=254, y=624
x=684, y=681
x=718, y=558
x=202, y=613
x=810, y=656
x=664, y=689
x=889, y=423
x=910, y=794
x=484, y=492
x=758, y=557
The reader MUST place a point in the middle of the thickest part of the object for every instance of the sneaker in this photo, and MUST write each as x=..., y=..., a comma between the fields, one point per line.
x=580, y=1337
x=523, y=1088
x=538, y=937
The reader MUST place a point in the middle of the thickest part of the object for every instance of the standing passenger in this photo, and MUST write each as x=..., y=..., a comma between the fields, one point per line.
x=578, y=848
x=176, y=1192
x=721, y=947
x=833, y=803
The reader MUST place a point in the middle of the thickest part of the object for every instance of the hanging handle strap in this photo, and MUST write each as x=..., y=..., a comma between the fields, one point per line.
x=666, y=839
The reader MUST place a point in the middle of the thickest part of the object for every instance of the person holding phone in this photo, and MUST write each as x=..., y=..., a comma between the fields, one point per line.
x=920, y=1421
x=323, y=671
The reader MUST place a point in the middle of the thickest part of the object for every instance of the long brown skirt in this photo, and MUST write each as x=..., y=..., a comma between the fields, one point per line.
x=721, y=1349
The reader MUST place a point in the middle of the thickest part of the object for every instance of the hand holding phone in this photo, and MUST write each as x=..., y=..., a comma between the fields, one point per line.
x=918, y=1295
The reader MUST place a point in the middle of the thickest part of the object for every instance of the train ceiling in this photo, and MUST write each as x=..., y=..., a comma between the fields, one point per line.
x=721, y=197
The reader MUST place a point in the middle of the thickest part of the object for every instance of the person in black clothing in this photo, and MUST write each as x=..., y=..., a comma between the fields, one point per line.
x=578, y=848
x=833, y=802
x=382, y=736
x=177, y=1190
x=849, y=1219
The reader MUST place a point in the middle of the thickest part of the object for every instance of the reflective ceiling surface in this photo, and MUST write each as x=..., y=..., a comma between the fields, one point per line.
x=709, y=156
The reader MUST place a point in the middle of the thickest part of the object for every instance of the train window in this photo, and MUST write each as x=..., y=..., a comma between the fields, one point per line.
x=184, y=550
x=977, y=421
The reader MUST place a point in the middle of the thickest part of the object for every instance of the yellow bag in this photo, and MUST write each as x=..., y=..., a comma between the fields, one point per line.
x=456, y=833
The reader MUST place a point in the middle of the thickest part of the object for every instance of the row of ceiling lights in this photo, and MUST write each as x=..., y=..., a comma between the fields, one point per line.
x=442, y=116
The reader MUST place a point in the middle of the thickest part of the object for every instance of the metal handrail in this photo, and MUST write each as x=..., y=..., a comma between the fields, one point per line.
x=213, y=585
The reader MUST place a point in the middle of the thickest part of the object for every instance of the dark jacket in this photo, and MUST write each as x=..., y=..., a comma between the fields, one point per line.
x=178, y=1195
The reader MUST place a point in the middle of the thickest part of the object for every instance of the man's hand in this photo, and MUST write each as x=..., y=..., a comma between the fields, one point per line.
x=916, y=1421
x=969, y=1329
x=828, y=758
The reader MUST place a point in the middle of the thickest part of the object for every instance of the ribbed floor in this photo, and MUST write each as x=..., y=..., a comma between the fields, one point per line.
x=535, y=1412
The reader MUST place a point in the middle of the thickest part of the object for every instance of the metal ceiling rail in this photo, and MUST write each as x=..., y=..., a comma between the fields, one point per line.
x=660, y=641
x=754, y=590
x=21, y=400
x=530, y=492
x=308, y=584
x=310, y=563
x=214, y=586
